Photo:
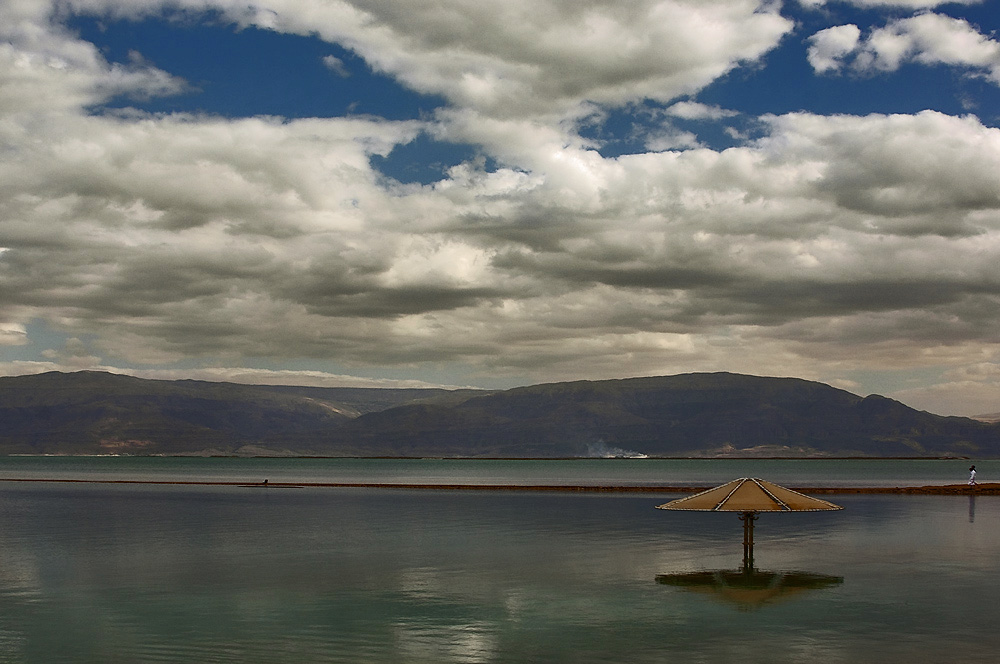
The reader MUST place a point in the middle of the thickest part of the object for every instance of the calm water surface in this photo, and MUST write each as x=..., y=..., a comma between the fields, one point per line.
x=619, y=472
x=136, y=573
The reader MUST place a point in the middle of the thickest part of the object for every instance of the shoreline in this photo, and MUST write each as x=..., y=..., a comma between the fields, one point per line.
x=723, y=457
x=984, y=489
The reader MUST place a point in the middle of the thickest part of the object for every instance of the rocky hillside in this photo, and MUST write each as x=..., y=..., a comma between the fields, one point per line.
x=101, y=413
x=718, y=414
x=715, y=414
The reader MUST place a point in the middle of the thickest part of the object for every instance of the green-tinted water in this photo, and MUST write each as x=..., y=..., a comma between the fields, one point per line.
x=134, y=573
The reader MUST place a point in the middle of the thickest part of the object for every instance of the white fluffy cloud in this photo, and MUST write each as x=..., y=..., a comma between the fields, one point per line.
x=44, y=68
x=828, y=48
x=932, y=39
x=151, y=239
x=907, y=4
x=522, y=57
x=929, y=39
x=692, y=110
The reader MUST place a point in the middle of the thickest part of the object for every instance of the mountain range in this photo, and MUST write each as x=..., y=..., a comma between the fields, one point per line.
x=687, y=415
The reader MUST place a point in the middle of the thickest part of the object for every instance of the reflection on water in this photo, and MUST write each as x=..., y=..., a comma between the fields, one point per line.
x=446, y=643
x=750, y=589
x=972, y=508
x=228, y=574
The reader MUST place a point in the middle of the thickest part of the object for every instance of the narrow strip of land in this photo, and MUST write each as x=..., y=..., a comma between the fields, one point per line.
x=985, y=489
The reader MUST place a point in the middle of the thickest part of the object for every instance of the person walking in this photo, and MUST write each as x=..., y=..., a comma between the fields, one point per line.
x=972, y=476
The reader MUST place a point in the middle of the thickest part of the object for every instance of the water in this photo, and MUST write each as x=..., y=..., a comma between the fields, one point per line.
x=615, y=472
x=187, y=573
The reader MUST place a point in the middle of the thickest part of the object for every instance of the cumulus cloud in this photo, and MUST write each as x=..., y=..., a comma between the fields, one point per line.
x=930, y=39
x=670, y=138
x=517, y=57
x=692, y=110
x=162, y=238
x=537, y=57
x=336, y=65
x=827, y=48
x=827, y=233
x=907, y=4
x=45, y=68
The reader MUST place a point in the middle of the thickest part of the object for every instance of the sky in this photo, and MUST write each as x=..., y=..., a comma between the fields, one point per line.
x=494, y=194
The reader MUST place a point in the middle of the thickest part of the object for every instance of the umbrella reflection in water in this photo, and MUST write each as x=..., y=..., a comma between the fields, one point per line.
x=750, y=589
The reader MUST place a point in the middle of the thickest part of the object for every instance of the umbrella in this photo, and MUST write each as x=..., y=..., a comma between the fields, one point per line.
x=749, y=496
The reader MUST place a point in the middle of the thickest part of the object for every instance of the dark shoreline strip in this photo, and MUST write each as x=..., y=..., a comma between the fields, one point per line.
x=990, y=489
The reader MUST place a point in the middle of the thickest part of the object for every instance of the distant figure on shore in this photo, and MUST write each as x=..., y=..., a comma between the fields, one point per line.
x=265, y=480
x=972, y=476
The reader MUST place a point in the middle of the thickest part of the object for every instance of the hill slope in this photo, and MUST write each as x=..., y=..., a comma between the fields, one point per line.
x=686, y=415
x=100, y=413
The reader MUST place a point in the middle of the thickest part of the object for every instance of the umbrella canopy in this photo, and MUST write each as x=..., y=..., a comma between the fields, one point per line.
x=749, y=494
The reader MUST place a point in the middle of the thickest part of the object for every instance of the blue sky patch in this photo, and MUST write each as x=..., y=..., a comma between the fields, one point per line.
x=248, y=72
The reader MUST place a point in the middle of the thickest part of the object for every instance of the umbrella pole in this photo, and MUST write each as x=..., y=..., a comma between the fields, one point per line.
x=748, y=518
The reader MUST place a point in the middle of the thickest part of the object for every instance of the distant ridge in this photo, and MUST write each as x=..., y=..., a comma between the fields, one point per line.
x=699, y=414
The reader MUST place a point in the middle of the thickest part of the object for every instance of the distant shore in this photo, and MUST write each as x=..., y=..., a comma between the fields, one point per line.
x=718, y=457
x=984, y=489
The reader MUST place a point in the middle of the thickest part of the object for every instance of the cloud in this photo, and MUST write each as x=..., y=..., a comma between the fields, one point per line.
x=929, y=39
x=336, y=65
x=932, y=39
x=162, y=239
x=248, y=376
x=692, y=110
x=913, y=178
x=12, y=334
x=74, y=354
x=670, y=138
x=827, y=48
x=553, y=56
x=45, y=68
x=969, y=391
x=907, y=4
x=520, y=58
